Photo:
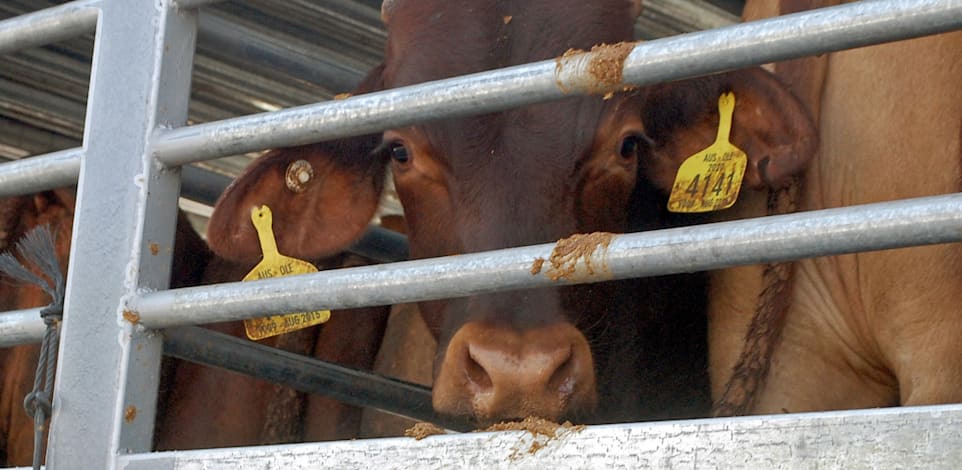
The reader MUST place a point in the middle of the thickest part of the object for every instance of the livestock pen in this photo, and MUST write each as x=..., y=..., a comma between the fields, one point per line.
x=117, y=295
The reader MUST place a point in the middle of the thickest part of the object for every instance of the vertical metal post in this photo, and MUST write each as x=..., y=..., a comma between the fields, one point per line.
x=123, y=234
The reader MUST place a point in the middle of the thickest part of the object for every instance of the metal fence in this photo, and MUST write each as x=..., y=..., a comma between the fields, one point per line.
x=129, y=180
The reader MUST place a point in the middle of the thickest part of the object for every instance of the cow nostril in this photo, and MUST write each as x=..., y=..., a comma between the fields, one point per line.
x=476, y=373
x=562, y=379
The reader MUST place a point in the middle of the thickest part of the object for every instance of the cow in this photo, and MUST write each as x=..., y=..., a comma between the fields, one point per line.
x=203, y=407
x=55, y=208
x=258, y=412
x=603, y=352
x=861, y=330
x=17, y=216
x=193, y=411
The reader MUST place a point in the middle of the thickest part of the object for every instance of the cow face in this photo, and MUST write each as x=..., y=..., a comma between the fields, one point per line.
x=519, y=177
x=514, y=178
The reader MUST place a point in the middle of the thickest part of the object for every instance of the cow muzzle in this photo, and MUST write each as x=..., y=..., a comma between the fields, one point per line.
x=492, y=373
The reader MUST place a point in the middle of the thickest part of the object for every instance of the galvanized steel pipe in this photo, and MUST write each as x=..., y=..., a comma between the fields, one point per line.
x=306, y=374
x=825, y=30
x=242, y=43
x=20, y=327
x=193, y=3
x=48, y=26
x=878, y=226
x=40, y=173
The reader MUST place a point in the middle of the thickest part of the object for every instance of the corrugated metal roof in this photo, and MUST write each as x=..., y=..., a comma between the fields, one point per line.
x=252, y=56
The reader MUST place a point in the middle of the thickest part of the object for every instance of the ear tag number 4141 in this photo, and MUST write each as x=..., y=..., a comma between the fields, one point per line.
x=275, y=264
x=710, y=180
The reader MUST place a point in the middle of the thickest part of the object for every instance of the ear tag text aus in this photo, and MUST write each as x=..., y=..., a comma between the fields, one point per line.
x=275, y=264
x=710, y=180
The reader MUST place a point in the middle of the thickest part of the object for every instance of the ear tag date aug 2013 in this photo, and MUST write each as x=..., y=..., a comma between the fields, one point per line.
x=275, y=264
x=710, y=180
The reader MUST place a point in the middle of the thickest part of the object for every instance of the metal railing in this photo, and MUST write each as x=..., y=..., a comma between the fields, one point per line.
x=673, y=58
x=139, y=85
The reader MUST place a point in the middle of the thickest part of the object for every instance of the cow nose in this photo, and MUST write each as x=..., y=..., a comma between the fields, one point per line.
x=492, y=373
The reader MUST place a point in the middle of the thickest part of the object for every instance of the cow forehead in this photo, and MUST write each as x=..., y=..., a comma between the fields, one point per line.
x=551, y=136
x=515, y=165
x=434, y=39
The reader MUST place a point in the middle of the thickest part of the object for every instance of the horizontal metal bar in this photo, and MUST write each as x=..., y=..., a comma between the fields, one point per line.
x=381, y=245
x=194, y=3
x=224, y=38
x=867, y=227
x=60, y=169
x=48, y=26
x=351, y=386
x=377, y=244
x=923, y=437
x=684, y=56
x=20, y=327
x=202, y=185
x=40, y=173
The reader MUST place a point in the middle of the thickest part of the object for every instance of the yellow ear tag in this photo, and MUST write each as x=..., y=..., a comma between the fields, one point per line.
x=709, y=180
x=275, y=264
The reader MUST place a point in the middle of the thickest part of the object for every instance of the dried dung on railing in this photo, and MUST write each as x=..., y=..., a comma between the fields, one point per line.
x=537, y=427
x=421, y=430
x=579, y=247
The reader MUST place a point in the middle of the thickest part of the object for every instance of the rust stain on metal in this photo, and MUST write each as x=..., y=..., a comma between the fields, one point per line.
x=421, y=430
x=536, y=266
x=132, y=317
x=569, y=251
x=130, y=414
x=154, y=248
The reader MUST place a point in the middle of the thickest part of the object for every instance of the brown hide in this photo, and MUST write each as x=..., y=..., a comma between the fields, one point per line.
x=209, y=407
x=198, y=407
x=407, y=353
x=533, y=175
x=869, y=329
x=18, y=216
x=18, y=364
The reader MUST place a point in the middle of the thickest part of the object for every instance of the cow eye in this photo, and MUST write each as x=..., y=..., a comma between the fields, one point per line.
x=632, y=144
x=629, y=146
x=400, y=153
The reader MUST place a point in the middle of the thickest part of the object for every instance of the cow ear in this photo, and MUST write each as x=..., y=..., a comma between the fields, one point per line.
x=322, y=197
x=769, y=124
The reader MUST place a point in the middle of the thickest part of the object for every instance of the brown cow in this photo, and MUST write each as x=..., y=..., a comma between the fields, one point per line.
x=870, y=329
x=18, y=215
x=194, y=411
x=526, y=176
x=256, y=411
x=206, y=407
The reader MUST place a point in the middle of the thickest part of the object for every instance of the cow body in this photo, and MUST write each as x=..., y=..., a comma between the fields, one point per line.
x=18, y=216
x=198, y=406
x=204, y=407
x=604, y=352
x=869, y=329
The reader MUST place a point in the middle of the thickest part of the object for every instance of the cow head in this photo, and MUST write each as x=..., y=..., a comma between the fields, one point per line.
x=524, y=176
